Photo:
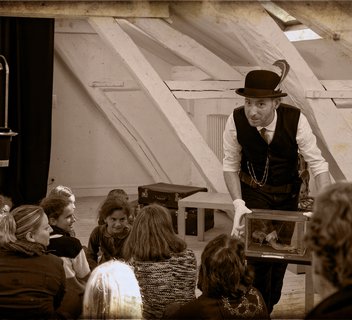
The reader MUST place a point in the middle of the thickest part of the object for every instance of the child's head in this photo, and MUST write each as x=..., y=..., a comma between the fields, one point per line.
x=152, y=237
x=112, y=292
x=60, y=212
x=116, y=214
x=118, y=193
x=223, y=271
x=63, y=191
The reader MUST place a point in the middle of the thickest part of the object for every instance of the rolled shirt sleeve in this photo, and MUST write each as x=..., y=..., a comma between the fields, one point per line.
x=232, y=149
x=307, y=145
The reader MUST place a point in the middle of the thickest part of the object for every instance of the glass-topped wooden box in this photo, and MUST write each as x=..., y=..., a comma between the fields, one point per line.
x=276, y=235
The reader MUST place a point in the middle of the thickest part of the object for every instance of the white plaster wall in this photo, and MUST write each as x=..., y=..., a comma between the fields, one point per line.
x=88, y=154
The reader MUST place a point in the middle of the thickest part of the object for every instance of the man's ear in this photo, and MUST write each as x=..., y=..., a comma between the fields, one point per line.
x=277, y=102
x=52, y=221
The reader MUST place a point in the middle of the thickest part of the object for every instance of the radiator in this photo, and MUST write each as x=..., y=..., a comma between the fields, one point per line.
x=215, y=128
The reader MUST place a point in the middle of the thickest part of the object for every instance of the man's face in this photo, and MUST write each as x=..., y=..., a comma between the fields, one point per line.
x=260, y=111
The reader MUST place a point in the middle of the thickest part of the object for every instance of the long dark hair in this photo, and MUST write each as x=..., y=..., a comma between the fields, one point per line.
x=223, y=272
x=152, y=237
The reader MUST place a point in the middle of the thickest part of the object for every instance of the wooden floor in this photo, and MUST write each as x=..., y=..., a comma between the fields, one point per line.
x=291, y=305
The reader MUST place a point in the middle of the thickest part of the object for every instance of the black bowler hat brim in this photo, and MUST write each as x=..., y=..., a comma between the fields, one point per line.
x=260, y=93
x=261, y=84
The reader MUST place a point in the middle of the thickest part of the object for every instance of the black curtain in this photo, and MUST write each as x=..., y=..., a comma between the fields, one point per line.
x=28, y=45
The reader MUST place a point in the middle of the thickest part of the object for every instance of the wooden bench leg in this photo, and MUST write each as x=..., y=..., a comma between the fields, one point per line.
x=181, y=223
x=200, y=223
x=309, y=289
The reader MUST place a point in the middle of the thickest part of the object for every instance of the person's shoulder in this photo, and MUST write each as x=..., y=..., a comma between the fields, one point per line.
x=285, y=106
x=199, y=308
x=186, y=257
x=99, y=229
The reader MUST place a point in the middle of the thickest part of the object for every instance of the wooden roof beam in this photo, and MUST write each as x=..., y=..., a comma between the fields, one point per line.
x=80, y=9
x=149, y=80
x=187, y=48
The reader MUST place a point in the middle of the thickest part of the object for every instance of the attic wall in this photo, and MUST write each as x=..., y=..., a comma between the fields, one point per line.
x=88, y=154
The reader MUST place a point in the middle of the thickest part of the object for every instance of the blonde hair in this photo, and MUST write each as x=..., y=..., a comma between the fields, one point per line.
x=61, y=191
x=112, y=292
x=16, y=224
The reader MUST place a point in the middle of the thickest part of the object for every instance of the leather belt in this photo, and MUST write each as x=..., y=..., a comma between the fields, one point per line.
x=247, y=179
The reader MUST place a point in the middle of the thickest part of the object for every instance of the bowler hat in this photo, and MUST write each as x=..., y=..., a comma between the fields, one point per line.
x=261, y=84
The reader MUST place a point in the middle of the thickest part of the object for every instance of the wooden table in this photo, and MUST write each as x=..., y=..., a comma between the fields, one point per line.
x=223, y=201
x=201, y=201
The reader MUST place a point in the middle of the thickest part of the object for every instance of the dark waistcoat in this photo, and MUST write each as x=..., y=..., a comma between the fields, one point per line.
x=281, y=152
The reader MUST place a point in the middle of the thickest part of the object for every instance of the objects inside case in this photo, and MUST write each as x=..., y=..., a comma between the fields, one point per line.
x=276, y=234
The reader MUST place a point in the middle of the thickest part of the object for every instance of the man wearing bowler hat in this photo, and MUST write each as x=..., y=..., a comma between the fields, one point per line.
x=261, y=143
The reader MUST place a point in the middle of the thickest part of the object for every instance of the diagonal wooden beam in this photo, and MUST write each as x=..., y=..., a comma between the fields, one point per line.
x=188, y=135
x=256, y=30
x=329, y=19
x=65, y=49
x=187, y=48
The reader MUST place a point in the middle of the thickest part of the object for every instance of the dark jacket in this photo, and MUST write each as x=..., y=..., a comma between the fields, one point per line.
x=31, y=287
x=336, y=306
x=103, y=247
x=250, y=306
x=282, y=151
x=65, y=246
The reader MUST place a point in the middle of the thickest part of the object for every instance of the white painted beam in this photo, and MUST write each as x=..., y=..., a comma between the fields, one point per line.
x=71, y=9
x=204, y=85
x=188, y=135
x=329, y=94
x=187, y=48
x=204, y=89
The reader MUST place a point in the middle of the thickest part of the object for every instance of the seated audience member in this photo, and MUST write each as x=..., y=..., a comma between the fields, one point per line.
x=61, y=218
x=32, y=281
x=121, y=195
x=165, y=269
x=329, y=236
x=112, y=292
x=65, y=192
x=5, y=204
x=226, y=285
x=118, y=193
x=106, y=240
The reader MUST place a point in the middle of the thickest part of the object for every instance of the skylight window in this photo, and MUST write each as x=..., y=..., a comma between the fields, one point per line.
x=301, y=35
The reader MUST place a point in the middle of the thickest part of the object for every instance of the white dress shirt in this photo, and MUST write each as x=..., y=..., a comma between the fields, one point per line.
x=306, y=141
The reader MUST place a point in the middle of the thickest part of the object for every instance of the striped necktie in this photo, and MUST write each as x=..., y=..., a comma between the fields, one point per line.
x=264, y=134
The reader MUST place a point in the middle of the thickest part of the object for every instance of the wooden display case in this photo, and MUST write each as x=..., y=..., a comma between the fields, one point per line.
x=269, y=235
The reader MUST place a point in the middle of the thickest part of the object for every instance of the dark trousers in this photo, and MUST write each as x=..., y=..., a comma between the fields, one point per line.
x=269, y=275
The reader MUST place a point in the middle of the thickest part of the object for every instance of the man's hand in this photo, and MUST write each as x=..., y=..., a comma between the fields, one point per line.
x=240, y=210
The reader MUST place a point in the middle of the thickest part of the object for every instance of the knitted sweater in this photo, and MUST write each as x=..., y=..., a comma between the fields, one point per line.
x=165, y=282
